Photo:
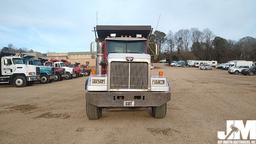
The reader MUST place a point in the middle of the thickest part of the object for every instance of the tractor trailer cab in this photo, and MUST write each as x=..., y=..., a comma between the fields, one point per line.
x=15, y=71
x=46, y=72
x=68, y=71
x=123, y=77
x=58, y=71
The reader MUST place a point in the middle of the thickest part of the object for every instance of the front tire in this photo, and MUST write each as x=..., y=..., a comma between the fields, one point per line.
x=159, y=112
x=93, y=112
x=68, y=76
x=44, y=79
x=237, y=72
x=19, y=81
x=56, y=78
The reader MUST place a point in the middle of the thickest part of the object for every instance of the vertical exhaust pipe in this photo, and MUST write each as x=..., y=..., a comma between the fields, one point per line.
x=99, y=58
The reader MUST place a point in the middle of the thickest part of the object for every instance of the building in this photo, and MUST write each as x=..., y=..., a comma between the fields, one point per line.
x=57, y=56
x=74, y=57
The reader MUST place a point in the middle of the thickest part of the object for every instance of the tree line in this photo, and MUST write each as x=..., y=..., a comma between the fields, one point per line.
x=200, y=45
x=11, y=48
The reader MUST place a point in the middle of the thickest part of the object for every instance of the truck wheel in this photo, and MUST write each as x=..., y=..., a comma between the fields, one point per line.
x=68, y=76
x=237, y=72
x=56, y=78
x=44, y=79
x=159, y=111
x=59, y=77
x=93, y=112
x=250, y=73
x=19, y=81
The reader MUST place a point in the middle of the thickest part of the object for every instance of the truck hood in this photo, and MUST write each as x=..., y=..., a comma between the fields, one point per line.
x=59, y=70
x=24, y=66
x=129, y=57
x=46, y=69
x=25, y=69
x=68, y=69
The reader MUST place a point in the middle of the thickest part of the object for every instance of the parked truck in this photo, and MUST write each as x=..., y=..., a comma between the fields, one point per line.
x=59, y=73
x=14, y=71
x=77, y=70
x=68, y=71
x=123, y=77
x=46, y=72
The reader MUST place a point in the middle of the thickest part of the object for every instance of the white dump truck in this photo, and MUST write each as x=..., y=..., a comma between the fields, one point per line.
x=15, y=71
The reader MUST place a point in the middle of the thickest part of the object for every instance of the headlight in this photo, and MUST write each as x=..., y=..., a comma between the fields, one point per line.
x=98, y=81
x=31, y=73
x=158, y=82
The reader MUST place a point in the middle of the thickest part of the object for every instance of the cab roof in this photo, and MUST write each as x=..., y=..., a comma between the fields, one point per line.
x=104, y=31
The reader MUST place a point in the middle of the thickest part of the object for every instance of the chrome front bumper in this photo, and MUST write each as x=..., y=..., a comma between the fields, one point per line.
x=32, y=78
x=117, y=99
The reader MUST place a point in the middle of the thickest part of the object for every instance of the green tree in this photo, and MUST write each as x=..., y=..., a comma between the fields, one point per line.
x=221, y=49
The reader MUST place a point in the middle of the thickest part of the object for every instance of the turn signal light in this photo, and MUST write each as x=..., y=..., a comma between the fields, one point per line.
x=161, y=73
x=93, y=71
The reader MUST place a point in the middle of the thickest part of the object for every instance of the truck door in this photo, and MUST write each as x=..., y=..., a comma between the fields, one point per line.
x=57, y=65
x=7, y=67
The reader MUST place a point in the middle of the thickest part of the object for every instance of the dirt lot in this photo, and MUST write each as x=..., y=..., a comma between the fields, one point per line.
x=55, y=113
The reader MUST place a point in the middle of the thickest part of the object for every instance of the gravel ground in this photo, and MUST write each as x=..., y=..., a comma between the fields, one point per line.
x=55, y=113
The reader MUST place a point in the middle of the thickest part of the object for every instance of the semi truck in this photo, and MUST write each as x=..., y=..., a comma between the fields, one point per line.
x=77, y=70
x=46, y=72
x=68, y=71
x=14, y=71
x=123, y=78
x=59, y=73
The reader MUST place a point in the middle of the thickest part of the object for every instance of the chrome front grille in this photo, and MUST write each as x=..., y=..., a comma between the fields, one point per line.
x=128, y=75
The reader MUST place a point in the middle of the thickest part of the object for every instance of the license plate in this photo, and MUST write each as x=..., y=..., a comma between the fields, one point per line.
x=128, y=103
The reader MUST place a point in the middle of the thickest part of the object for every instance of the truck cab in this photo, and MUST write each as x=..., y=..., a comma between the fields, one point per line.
x=46, y=72
x=15, y=71
x=123, y=77
x=58, y=71
x=77, y=69
x=68, y=71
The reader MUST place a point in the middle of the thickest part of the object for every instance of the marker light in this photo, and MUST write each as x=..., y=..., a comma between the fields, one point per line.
x=113, y=34
x=93, y=71
x=161, y=73
x=139, y=35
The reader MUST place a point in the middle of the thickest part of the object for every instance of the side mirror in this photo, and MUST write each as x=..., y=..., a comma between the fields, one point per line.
x=93, y=47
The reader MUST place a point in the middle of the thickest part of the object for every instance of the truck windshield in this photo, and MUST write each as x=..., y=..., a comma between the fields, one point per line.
x=17, y=61
x=48, y=64
x=37, y=62
x=62, y=65
x=126, y=46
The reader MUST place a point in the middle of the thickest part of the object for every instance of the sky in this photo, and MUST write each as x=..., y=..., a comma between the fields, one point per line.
x=66, y=25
